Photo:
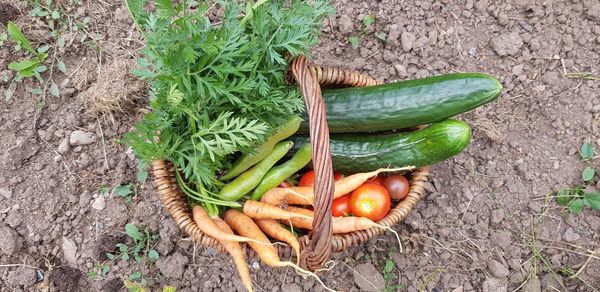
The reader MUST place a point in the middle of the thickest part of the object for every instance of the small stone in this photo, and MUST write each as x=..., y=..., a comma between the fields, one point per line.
x=99, y=203
x=481, y=5
x=293, y=287
x=81, y=138
x=517, y=70
x=69, y=251
x=497, y=269
x=526, y=26
x=533, y=284
x=552, y=282
x=64, y=147
x=394, y=33
x=494, y=285
x=502, y=18
x=400, y=70
x=593, y=13
x=368, y=278
x=570, y=235
x=7, y=193
x=507, y=44
x=255, y=265
x=407, y=39
x=345, y=24
x=10, y=241
x=497, y=216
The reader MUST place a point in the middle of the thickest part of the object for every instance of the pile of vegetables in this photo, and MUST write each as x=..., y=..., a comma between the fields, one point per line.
x=224, y=115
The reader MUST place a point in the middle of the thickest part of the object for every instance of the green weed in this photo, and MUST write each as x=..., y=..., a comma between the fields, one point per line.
x=366, y=29
x=575, y=199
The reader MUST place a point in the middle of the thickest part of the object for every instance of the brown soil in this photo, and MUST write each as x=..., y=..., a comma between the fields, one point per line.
x=479, y=228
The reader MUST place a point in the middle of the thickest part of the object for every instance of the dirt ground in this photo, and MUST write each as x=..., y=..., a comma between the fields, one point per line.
x=488, y=222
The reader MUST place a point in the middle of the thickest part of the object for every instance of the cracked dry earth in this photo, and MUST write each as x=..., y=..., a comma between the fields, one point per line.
x=486, y=224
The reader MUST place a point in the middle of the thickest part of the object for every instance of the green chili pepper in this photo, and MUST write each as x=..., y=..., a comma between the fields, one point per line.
x=248, y=180
x=248, y=160
x=279, y=173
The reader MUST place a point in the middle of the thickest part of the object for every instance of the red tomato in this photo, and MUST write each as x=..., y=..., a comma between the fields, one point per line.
x=341, y=206
x=285, y=184
x=370, y=200
x=308, y=179
x=376, y=180
x=397, y=186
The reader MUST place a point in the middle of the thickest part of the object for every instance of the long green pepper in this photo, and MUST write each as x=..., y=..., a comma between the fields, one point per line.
x=280, y=173
x=246, y=161
x=248, y=180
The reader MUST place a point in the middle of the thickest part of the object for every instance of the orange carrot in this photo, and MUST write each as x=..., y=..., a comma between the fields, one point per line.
x=236, y=252
x=273, y=229
x=208, y=226
x=305, y=195
x=244, y=226
x=339, y=224
x=260, y=210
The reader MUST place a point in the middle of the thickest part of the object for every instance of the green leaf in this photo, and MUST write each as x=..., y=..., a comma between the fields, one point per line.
x=60, y=41
x=61, y=66
x=588, y=174
x=105, y=269
x=54, y=89
x=3, y=38
x=142, y=176
x=354, y=41
x=368, y=20
x=381, y=36
x=133, y=232
x=36, y=91
x=43, y=49
x=22, y=65
x=389, y=266
x=15, y=33
x=153, y=255
x=135, y=275
x=586, y=151
x=576, y=206
x=563, y=197
x=8, y=93
x=125, y=256
x=110, y=256
x=122, y=247
x=55, y=14
x=592, y=200
x=165, y=8
x=123, y=190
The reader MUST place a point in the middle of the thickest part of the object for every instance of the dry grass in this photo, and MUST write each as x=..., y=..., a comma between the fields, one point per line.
x=115, y=91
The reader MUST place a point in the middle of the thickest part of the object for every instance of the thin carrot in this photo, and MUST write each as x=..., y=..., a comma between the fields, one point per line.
x=275, y=230
x=339, y=224
x=244, y=226
x=236, y=252
x=208, y=226
x=305, y=195
x=260, y=210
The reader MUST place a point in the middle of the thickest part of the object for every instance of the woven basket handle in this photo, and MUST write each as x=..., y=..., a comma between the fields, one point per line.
x=318, y=250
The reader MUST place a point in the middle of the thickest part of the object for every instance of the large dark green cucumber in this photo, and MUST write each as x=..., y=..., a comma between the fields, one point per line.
x=353, y=153
x=406, y=104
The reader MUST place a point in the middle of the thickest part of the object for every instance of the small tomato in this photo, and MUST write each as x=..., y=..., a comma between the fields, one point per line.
x=370, y=200
x=341, y=206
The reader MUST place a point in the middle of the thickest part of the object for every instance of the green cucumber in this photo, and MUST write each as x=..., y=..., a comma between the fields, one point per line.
x=406, y=104
x=352, y=153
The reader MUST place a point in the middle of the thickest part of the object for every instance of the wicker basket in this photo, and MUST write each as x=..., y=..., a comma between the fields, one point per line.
x=316, y=248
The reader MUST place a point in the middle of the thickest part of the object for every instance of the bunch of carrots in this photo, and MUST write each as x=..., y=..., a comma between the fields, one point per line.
x=253, y=220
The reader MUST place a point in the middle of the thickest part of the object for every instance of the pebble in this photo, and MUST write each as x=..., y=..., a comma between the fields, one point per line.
x=394, y=33
x=507, y=44
x=99, y=203
x=64, y=147
x=494, y=285
x=293, y=287
x=407, y=39
x=7, y=193
x=255, y=265
x=525, y=25
x=517, y=70
x=69, y=251
x=593, y=13
x=368, y=278
x=345, y=24
x=22, y=276
x=10, y=241
x=497, y=269
x=552, y=282
x=570, y=235
x=400, y=70
x=79, y=138
x=497, y=216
